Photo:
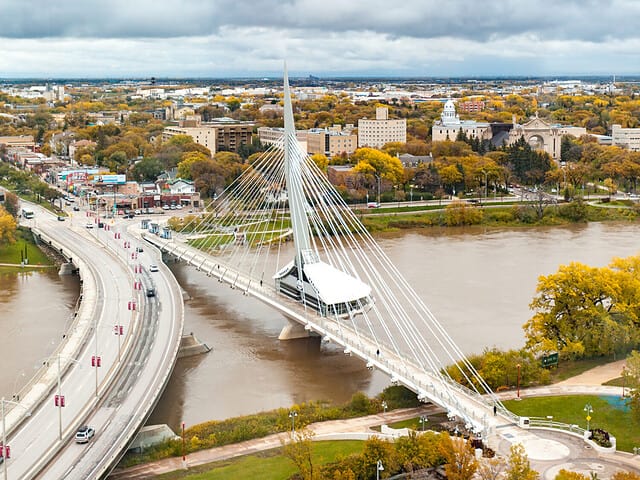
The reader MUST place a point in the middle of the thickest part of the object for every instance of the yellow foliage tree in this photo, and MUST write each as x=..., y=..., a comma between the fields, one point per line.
x=8, y=227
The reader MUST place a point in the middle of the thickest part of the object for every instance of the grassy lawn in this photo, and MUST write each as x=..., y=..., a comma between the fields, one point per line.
x=570, y=409
x=433, y=422
x=11, y=253
x=269, y=465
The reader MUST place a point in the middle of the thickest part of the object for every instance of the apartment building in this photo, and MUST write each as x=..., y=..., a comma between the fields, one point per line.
x=381, y=130
x=628, y=138
x=224, y=134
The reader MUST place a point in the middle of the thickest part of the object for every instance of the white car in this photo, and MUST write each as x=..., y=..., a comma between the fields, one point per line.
x=165, y=207
x=84, y=434
x=179, y=207
x=89, y=225
x=153, y=268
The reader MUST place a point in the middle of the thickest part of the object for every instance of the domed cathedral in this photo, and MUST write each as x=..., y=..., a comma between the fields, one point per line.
x=449, y=125
x=542, y=135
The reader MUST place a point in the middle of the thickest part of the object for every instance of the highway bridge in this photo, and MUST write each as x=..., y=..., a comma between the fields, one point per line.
x=133, y=338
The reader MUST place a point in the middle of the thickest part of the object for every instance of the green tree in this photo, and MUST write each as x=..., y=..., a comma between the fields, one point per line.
x=147, y=169
x=117, y=162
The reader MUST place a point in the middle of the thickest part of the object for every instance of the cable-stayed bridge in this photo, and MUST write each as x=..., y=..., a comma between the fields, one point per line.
x=283, y=234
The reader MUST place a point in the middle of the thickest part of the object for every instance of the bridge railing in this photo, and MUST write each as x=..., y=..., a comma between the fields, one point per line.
x=539, y=422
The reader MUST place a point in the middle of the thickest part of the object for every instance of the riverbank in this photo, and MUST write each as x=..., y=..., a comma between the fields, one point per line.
x=515, y=215
x=13, y=255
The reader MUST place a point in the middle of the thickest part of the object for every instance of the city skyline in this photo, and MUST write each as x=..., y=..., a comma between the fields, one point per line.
x=222, y=38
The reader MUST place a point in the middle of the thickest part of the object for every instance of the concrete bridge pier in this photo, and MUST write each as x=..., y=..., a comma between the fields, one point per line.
x=67, y=269
x=293, y=330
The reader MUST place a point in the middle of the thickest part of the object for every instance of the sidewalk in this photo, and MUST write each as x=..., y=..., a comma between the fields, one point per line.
x=352, y=427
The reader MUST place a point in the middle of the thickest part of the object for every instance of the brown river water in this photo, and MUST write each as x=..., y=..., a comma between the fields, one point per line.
x=477, y=282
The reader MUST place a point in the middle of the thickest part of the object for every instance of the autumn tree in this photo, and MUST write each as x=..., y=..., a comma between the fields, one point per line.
x=620, y=475
x=460, y=460
x=11, y=203
x=569, y=475
x=582, y=310
x=450, y=176
x=370, y=161
x=631, y=379
x=491, y=468
x=418, y=451
x=299, y=450
x=376, y=449
x=321, y=161
x=8, y=227
x=460, y=213
x=518, y=466
x=188, y=160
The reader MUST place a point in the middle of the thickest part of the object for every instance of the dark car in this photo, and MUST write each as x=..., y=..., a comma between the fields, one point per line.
x=60, y=218
x=151, y=292
x=76, y=208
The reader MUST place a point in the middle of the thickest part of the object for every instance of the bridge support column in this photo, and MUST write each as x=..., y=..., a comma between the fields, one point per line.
x=293, y=330
x=66, y=269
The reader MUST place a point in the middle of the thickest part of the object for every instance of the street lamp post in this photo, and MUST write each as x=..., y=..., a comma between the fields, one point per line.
x=589, y=410
x=423, y=421
x=60, y=403
x=518, y=395
x=292, y=416
x=624, y=377
x=384, y=406
x=184, y=457
x=486, y=184
x=4, y=450
x=378, y=178
x=379, y=468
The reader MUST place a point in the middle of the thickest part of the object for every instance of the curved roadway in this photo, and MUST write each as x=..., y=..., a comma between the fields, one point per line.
x=116, y=398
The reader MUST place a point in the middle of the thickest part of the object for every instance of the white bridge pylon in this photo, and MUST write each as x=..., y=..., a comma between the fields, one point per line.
x=332, y=280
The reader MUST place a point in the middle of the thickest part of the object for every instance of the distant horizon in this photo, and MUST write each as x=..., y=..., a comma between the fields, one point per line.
x=324, y=76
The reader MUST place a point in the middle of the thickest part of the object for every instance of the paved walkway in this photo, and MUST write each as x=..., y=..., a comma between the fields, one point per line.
x=597, y=375
x=549, y=451
x=351, y=428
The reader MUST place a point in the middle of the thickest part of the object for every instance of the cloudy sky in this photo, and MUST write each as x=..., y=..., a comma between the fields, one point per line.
x=219, y=38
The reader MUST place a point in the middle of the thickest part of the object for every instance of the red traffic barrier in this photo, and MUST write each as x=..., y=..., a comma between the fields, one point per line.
x=59, y=400
x=96, y=361
x=118, y=329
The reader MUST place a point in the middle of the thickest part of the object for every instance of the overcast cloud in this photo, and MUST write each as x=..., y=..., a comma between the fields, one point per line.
x=213, y=38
